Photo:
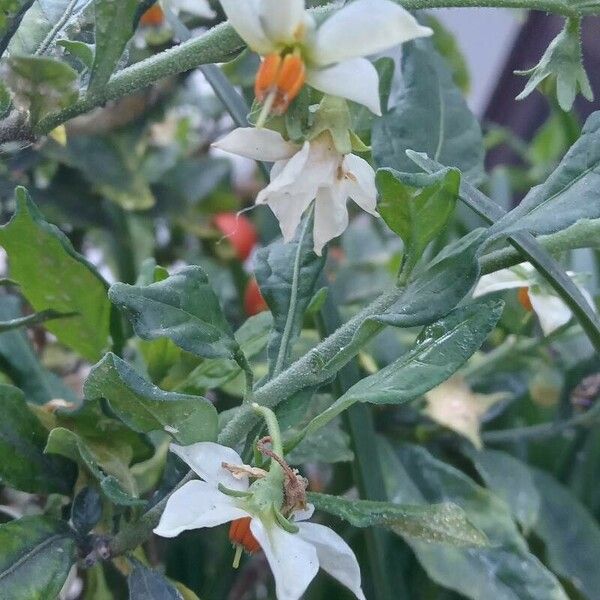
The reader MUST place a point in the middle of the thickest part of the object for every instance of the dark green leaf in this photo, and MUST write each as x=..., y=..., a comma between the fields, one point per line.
x=86, y=510
x=440, y=523
x=41, y=85
x=11, y=14
x=183, y=308
x=145, y=407
x=571, y=535
x=147, y=584
x=20, y=362
x=37, y=555
x=417, y=207
x=53, y=276
x=511, y=481
x=431, y=116
x=114, y=26
x=104, y=459
x=287, y=275
x=23, y=464
x=331, y=444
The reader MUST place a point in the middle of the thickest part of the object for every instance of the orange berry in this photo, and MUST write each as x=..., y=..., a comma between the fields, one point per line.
x=153, y=17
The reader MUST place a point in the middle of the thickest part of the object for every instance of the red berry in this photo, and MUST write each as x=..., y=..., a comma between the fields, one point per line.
x=240, y=232
x=254, y=302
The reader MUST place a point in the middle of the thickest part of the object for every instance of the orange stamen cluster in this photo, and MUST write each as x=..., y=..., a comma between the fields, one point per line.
x=153, y=17
x=240, y=535
x=524, y=299
x=283, y=76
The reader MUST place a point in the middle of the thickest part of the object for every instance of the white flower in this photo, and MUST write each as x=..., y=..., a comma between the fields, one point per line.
x=549, y=308
x=301, y=174
x=198, y=8
x=294, y=558
x=333, y=52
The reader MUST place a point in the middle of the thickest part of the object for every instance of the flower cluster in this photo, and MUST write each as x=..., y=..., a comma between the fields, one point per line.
x=329, y=57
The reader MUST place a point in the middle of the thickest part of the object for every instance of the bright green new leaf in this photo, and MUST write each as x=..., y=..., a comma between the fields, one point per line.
x=440, y=523
x=563, y=62
x=84, y=52
x=417, y=206
x=53, y=276
x=145, y=407
x=431, y=116
x=41, y=85
x=183, y=308
x=23, y=464
x=115, y=22
x=37, y=555
x=287, y=275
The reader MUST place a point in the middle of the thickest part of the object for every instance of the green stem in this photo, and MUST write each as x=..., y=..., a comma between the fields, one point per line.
x=58, y=27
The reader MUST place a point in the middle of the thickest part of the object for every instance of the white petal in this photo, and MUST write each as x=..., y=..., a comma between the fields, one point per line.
x=286, y=173
x=355, y=79
x=200, y=8
x=362, y=28
x=293, y=561
x=331, y=216
x=550, y=310
x=257, y=143
x=283, y=20
x=244, y=16
x=206, y=459
x=288, y=209
x=360, y=184
x=335, y=556
x=505, y=279
x=304, y=515
x=197, y=504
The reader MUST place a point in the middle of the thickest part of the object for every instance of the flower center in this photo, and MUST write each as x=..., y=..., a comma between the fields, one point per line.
x=241, y=536
x=524, y=299
x=279, y=80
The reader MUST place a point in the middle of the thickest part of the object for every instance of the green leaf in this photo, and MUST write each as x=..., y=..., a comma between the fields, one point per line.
x=31, y=320
x=331, y=444
x=504, y=570
x=115, y=22
x=570, y=533
x=41, y=85
x=183, y=308
x=37, y=555
x=440, y=350
x=147, y=584
x=44, y=22
x=287, y=275
x=84, y=52
x=440, y=523
x=23, y=464
x=431, y=116
x=106, y=460
x=511, y=481
x=21, y=363
x=11, y=15
x=569, y=195
x=145, y=407
x=526, y=244
x=417, y=207
x=563, y=63
x=53, y=276
x=86, y=510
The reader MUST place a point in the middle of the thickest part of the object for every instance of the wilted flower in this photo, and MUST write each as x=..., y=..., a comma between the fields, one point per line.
x=301, y=174
x=328, y=57
x=533, y=295
x=225, y=496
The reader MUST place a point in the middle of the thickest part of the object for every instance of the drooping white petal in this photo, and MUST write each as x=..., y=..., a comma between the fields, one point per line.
x=551, y=311
x=504, y=279
x=304, y=515
x=244, y=16
x=360, y=182
x=293, y=561
x=331, y=216
x=206, y=459
x=335, y=556
x=355, y=79
x=197, y=504
x=285, y=173
x=288, y=210
x=257, y=143
x=199, y=8
x=282, y=20
x=362, y=28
